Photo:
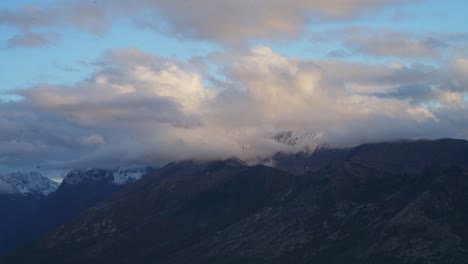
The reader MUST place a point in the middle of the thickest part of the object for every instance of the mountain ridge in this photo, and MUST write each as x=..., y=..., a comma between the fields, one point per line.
x=387, y=203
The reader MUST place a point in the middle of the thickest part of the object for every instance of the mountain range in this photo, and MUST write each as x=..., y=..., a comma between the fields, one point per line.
x=396, y=202
x=33, y=205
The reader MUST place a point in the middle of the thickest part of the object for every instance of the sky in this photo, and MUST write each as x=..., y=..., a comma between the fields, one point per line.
x=101, y=83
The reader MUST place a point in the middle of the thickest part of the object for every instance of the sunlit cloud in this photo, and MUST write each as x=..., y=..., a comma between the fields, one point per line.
x=139, y=108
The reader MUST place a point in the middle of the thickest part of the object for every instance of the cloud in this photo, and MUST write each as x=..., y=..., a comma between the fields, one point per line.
x=460, y=71
x=384, y=42
x=222, y=21
x=229, y=21
x=27, y=17
x=451, y=99
x=141, y=109
x=32, y=39
x=327, y=98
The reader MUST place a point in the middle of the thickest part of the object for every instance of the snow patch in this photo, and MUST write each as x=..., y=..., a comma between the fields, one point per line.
x=125, y=176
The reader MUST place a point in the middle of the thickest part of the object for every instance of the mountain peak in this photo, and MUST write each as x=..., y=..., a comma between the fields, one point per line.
x=27, y=183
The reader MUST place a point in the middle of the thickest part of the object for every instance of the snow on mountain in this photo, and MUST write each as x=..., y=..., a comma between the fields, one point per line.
x=125, y=176
x=298, y=139
x=27, y=183
x=119, y=176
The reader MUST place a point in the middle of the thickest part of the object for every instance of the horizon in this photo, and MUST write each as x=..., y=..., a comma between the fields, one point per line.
x=102, y=83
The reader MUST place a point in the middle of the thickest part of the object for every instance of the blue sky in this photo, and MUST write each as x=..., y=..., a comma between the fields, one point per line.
x=123, y=82
x=67, y=60
x=71, y=59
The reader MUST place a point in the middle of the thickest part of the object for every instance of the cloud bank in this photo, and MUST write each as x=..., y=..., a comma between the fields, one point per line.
x=244, y=100
x=142, y=109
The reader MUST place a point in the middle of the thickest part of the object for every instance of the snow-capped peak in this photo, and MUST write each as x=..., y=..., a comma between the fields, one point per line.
x=298, y=139
x=119, y=176
x=27, y=183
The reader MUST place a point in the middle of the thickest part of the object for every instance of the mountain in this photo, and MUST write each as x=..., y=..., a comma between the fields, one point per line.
x=174, y=206
x=347, y=213
x=21, y=193
x=119, y=176
x=305, y=161
x=79, y=190
x=410, y=156
x=387, y=203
